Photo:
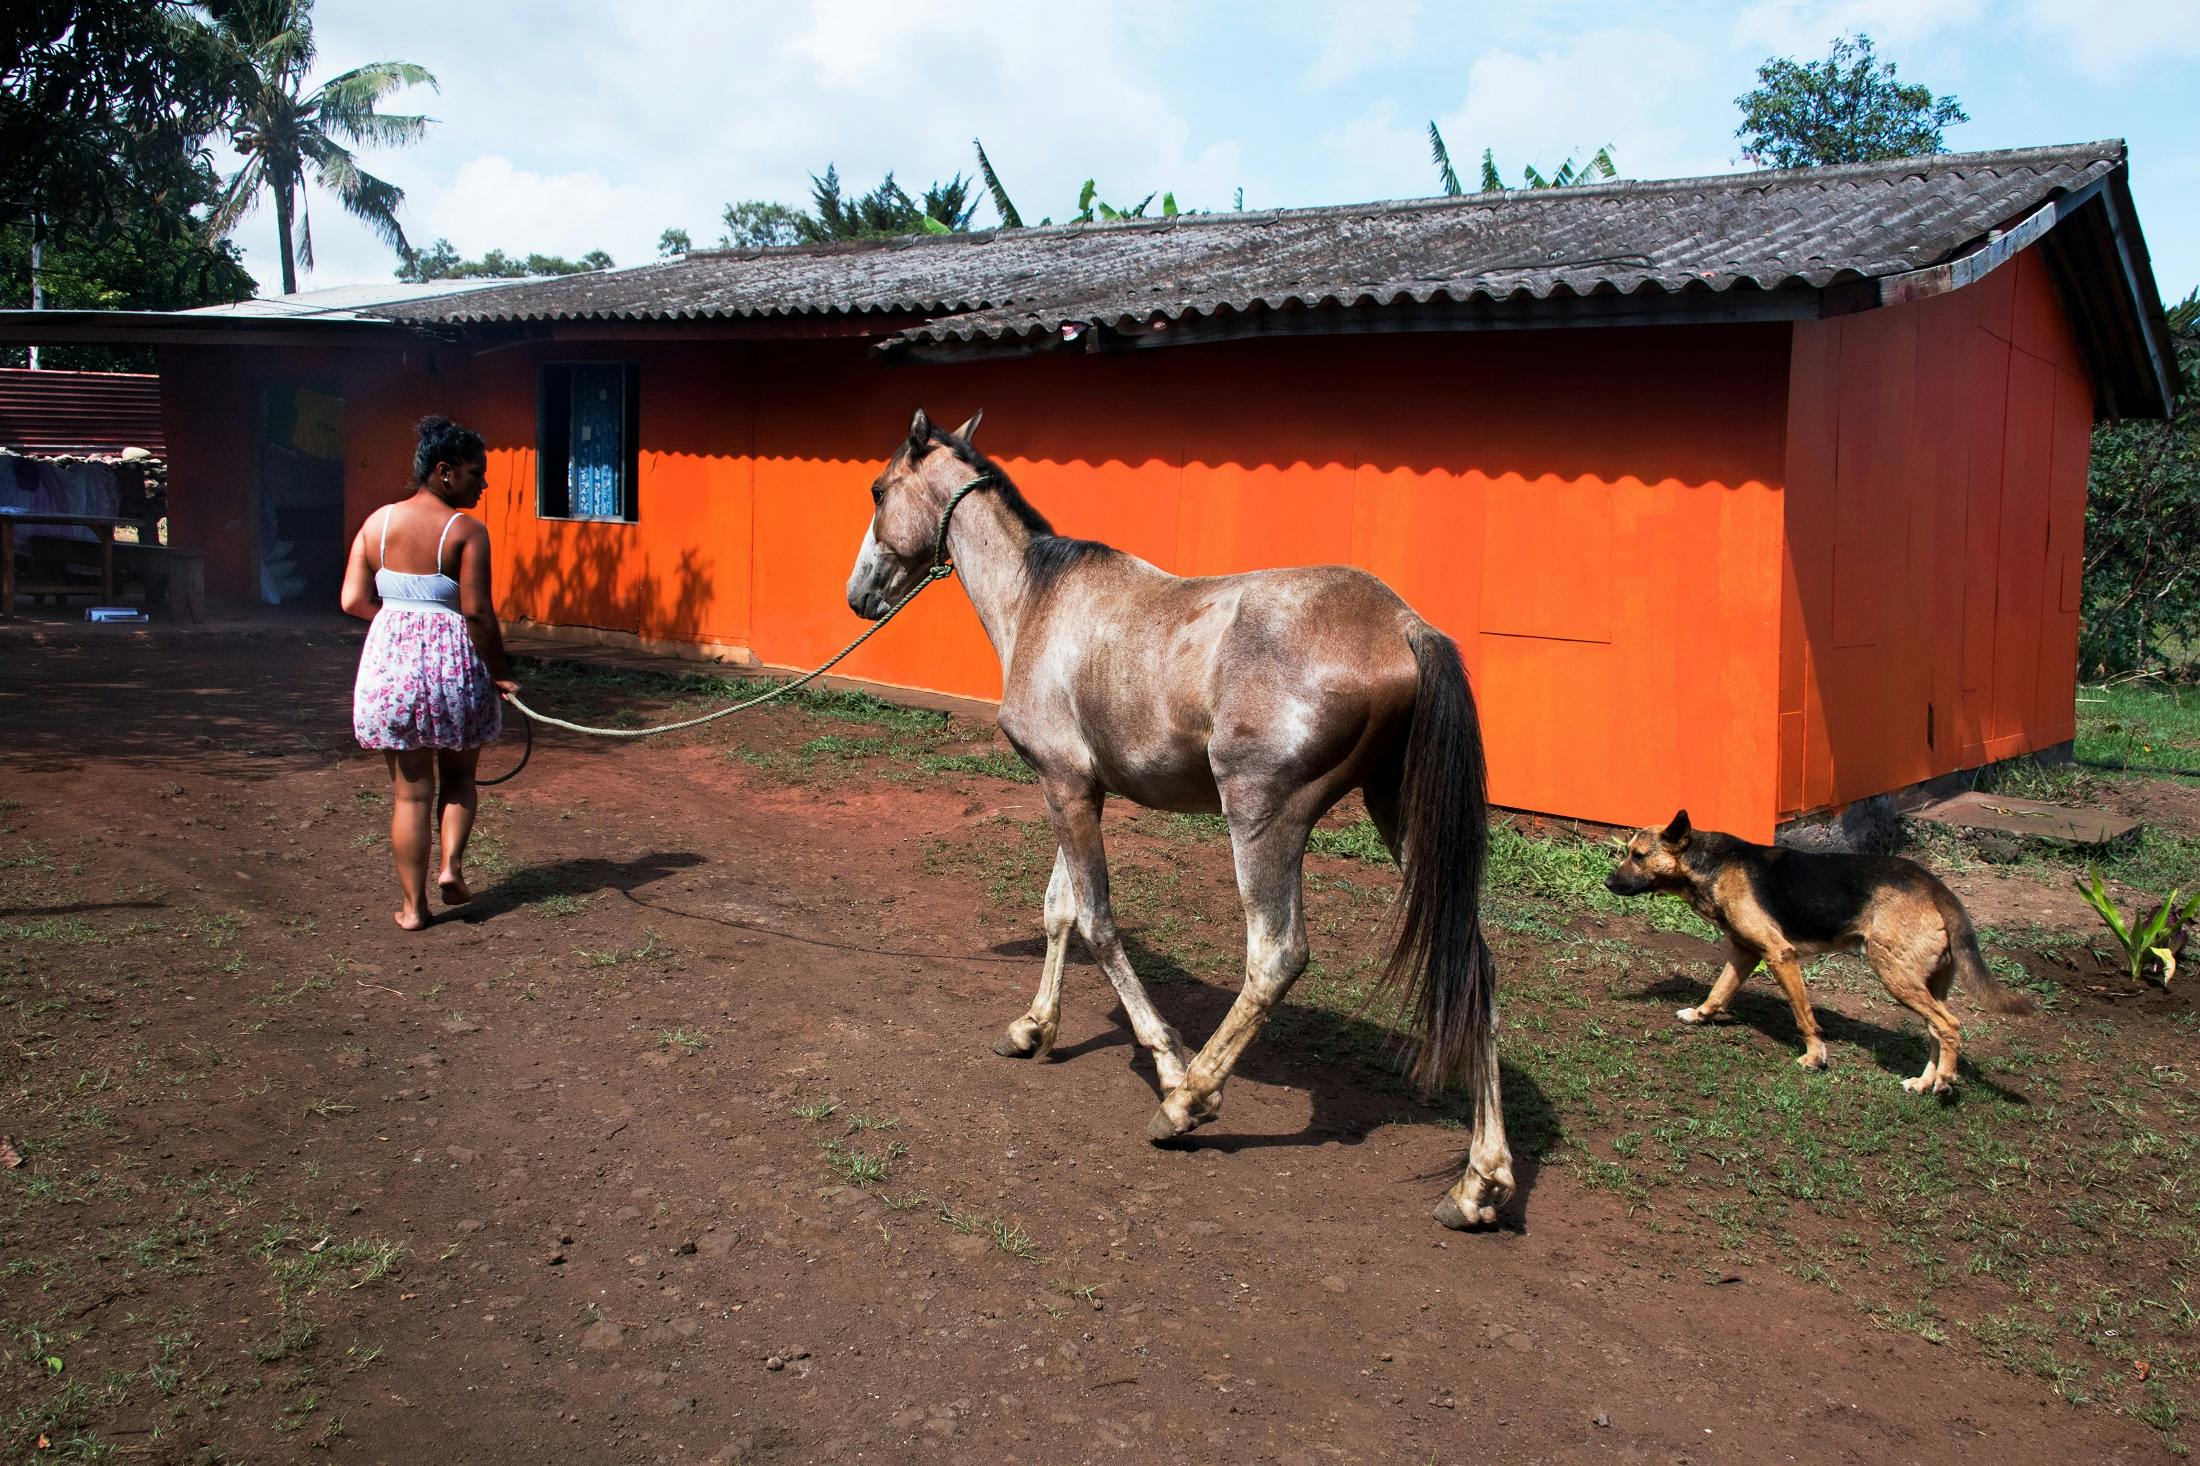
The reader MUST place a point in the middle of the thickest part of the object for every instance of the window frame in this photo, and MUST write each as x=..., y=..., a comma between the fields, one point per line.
x=554, y=443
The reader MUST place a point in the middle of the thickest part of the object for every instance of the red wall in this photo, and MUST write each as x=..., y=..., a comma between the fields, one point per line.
x=1936, y=483
x=1595, y=514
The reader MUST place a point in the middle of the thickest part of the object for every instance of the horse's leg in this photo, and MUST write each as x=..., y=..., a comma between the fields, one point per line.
x=1076, y=812
x=1269, y=850
x=1032, y=1035
x=1487, y=1183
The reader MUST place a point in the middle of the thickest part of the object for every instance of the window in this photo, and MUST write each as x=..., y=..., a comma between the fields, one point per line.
x=585, y=439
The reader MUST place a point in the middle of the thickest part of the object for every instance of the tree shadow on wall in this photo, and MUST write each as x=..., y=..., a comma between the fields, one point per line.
x=585, y=574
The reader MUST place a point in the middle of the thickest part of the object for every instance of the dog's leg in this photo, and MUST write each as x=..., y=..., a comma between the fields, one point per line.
x=1789, y=972
x=1920, y=990
x=1740, y=962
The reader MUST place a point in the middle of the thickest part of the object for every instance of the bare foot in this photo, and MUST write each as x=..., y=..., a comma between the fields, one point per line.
x=411, y=921
x=454, y=890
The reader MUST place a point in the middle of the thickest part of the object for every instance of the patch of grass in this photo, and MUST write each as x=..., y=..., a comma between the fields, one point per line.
x=487, y=854
x=1011, y=1239
x=1012, y=857
x=2147, y=726
x=1569, y=870
x=560, y=904
x=863, y=1167
x=71, y=930
x=993, y=763
x=596, y=687
x=1356, y=841
x=680, y=1038
x=2158, y=862
x=280, y=996
x=815, y=1110
x=2049, y=783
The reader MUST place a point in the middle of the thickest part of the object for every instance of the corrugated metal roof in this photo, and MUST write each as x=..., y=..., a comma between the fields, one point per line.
x=1765, y=231
x=56, y=413
x=338, y=302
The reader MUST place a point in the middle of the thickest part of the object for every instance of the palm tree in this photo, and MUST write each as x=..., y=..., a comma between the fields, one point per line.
x=286, y=133
x=1597, y=169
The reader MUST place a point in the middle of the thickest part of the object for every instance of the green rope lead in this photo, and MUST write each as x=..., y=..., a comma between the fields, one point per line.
x=942, y=567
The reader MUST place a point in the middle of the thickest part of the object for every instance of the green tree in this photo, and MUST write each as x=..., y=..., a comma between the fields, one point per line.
x=1010, y=219
x=673, y=243
x=1089, y=204
x=288, y=134
x=760, y=224
x=103, y=176
x=2141, y=606
x=1597, y=168
x=442, y=261
x=138, y=259
x=1848, y=108
x=103, y=108
x=883, y=213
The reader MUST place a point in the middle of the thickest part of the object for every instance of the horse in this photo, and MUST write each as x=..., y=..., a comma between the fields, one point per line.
x=1266, y=696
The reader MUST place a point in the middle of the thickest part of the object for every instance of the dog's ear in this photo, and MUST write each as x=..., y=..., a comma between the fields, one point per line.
x=1675, y=835
x=969, y=429
x=920, y=433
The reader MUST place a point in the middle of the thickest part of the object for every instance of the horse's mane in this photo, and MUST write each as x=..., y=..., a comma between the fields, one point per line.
x=1049, y=554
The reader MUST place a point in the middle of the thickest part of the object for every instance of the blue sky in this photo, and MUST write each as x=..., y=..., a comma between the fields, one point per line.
x=565, y=126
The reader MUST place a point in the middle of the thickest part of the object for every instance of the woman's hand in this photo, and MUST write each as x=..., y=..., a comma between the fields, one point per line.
x=506, y=687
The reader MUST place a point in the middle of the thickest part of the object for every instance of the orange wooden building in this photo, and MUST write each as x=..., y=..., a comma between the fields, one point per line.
x=1762, y=494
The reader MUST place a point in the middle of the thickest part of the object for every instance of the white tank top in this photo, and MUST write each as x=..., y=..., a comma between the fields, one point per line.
x=404, y=592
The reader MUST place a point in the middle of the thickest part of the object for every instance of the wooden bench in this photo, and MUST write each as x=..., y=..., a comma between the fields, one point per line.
x=9, y=587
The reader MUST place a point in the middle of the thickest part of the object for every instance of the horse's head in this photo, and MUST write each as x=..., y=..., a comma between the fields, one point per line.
x=906, y=500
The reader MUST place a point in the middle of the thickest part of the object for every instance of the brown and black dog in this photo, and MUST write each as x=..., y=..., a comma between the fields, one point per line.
x=1779, y=905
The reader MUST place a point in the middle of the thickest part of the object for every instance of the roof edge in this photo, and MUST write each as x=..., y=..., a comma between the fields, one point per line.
x=2107, y=150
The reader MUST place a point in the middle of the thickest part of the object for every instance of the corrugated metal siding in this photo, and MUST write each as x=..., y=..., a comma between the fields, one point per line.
x=80, y=412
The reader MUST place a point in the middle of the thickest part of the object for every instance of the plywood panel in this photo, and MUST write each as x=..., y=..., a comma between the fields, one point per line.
x=1547, y=558
x=2021, y=559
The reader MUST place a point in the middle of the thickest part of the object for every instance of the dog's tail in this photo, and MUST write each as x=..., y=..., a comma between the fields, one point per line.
x=1441, y=959
x=1986, y=990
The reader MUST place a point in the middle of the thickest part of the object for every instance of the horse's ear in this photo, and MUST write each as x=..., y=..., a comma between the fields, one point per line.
x=1675, y=835
x=920, y=432
x=969, y=429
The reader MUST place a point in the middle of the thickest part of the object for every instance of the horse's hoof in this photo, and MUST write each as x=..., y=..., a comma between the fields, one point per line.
x=1025, y=1042
x=1463, y=1219
x=1164, y=1127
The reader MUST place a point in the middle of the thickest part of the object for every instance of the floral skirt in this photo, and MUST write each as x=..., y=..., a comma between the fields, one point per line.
x=421, y=685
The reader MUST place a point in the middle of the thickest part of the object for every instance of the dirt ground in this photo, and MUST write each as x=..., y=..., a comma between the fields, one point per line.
x=685, y=1142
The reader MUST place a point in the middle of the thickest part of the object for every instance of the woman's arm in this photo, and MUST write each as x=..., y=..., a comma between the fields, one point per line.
x=477, y=602
x=358, y=598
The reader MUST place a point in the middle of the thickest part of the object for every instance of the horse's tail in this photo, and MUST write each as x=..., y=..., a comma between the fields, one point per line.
x=1449, y=978
x=1985, y=989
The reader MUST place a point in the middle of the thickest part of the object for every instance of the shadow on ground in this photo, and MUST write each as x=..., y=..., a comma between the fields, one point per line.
x=1899, y=1051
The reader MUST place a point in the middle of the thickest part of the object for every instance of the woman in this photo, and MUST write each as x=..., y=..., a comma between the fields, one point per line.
x=434, y=664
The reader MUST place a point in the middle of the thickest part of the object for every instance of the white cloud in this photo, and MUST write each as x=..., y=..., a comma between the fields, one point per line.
x=1361, y=35
x=1805, y=30
x=568, y=125
x=1637, y=91
x=592, y=128
x=2107, y=47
